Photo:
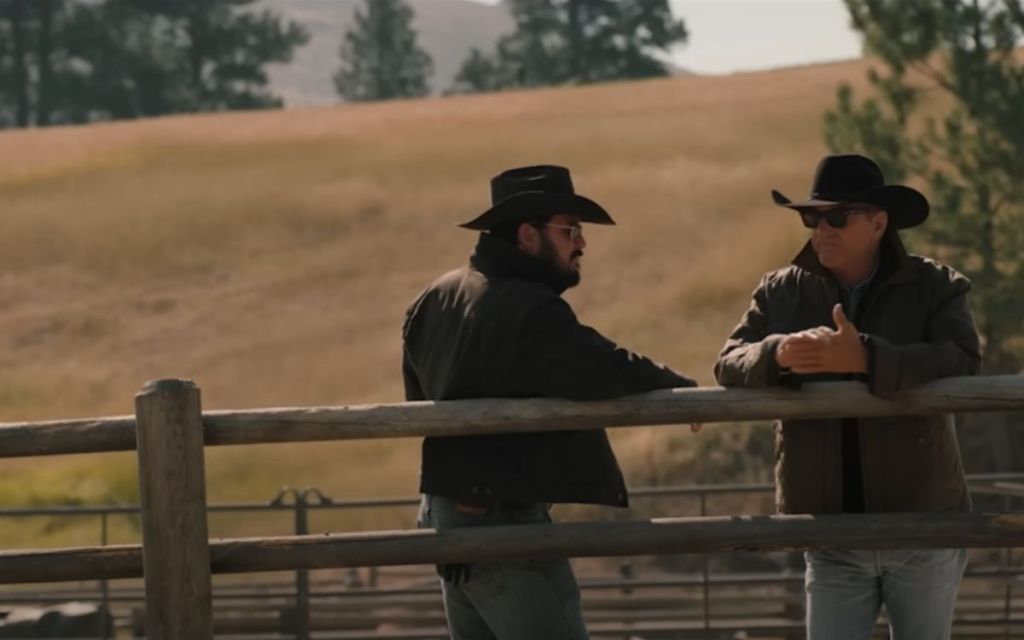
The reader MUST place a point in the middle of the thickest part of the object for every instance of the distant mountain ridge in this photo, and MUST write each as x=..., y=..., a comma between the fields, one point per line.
x=447, y=29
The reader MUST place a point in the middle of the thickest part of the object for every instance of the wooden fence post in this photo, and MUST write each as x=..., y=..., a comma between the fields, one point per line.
x=172, y=491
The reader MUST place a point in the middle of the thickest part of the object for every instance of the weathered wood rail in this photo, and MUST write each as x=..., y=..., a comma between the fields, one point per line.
x=577, y=540
x=176, y=557
x=465, y=417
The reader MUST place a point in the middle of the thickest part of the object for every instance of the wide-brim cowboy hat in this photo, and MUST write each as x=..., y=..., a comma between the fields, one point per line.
x=844, y=179
x=531, y=193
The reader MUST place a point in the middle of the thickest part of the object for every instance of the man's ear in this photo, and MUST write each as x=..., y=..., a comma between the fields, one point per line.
x=528, y=238
x=881, y=223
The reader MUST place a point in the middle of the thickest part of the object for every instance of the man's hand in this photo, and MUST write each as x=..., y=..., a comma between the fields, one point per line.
x=801, y=350
x=824, y=350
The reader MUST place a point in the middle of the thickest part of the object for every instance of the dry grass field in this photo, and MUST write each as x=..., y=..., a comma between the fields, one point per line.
x=270, y=256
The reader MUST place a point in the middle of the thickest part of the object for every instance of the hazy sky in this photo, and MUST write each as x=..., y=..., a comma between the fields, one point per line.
x=737, y=35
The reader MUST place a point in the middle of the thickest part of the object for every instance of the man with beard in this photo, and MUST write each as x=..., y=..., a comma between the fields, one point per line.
x=498, y=327
x=855, y=305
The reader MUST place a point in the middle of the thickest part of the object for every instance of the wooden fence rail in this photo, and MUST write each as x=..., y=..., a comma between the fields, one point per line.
x=538, y=541
x=465, y=417
x=176, y=557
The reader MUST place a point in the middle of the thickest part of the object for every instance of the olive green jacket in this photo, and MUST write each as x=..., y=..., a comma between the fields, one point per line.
x=917, y=327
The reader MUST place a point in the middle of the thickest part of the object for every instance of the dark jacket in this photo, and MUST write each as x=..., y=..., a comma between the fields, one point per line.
x=917, y=327
x=499, y=328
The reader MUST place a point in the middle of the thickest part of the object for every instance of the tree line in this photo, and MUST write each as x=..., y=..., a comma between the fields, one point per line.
x=79, y=61
x=554, y=42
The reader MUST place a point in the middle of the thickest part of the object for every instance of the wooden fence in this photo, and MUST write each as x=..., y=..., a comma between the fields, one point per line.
x=169, y=430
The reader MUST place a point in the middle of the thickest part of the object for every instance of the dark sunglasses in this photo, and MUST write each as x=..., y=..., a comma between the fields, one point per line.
x=836, y=218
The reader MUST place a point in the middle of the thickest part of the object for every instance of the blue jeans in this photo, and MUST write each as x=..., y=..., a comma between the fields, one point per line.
x=527, y=600
x=846, y=591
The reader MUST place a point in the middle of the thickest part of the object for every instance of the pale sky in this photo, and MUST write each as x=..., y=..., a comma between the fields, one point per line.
x=740, y=35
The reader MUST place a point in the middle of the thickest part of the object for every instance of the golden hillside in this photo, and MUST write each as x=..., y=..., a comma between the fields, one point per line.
x=270, y=256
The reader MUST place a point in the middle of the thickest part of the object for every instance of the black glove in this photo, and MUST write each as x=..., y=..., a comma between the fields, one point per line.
x=454, y=573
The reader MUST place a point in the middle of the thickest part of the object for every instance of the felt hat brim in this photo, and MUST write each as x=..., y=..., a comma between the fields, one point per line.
x=906, y=207
x=530, y=205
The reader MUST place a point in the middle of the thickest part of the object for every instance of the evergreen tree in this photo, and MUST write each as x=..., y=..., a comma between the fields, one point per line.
x=577, y=41
x=947, y=110
x=36, y=68
x=971, y=153
x=535, y=54
x=131, y=61
x=613, y=39
x=228, y=48
x=46, y=36
x=8, y=74
x=26, y=71
x=380, y=57
x=478, y=73
x=79, y=61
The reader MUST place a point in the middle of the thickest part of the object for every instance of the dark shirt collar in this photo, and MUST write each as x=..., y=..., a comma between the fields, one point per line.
x=495, y=257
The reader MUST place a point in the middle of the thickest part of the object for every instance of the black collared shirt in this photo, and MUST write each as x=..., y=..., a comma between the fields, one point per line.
x=853, y=299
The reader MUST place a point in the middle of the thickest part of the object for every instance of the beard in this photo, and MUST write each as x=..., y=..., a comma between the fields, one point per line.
x=548, y=253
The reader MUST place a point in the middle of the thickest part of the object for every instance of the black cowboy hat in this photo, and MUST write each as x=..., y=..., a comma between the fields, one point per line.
x=853, y=178
x=529, y=193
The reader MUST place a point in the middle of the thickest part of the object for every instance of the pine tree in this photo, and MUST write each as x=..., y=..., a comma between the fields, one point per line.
x=67, y=62
x=19, y=31
x=614, y=39
x=947, y=111
x=228, y=49
x=222, y=49
x=35, y=66
x=478, y=73
x=131, y=62
x=971, y=154
x=577, y=41
x=381, y=59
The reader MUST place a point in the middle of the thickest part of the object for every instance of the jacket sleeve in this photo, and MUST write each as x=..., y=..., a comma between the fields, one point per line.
x=413, y=390
x=952, y=348
x=413, y=387
x=748, y=357
x=562, y=358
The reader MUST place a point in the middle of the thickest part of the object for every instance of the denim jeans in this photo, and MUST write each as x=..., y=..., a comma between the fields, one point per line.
x=527, y=600
x=846, y=591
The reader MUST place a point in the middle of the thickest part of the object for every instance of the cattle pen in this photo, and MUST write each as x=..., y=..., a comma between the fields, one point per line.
x=176, y=558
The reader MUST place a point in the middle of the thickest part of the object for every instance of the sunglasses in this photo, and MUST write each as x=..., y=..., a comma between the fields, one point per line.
x=836, y=218
x=575, y=230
